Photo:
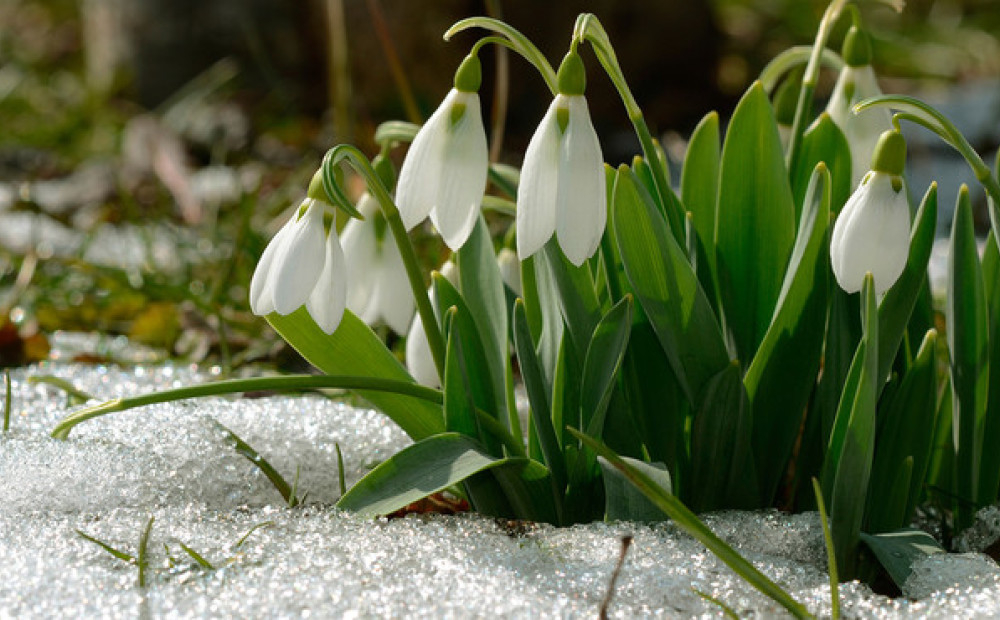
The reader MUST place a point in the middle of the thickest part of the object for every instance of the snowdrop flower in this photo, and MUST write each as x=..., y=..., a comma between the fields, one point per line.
x=562, y=188
x=872, y=232
x=444, y=173
x=379, y=290
x=856, y=83
x=510, y=269
x=419, y=360
x=302, y=265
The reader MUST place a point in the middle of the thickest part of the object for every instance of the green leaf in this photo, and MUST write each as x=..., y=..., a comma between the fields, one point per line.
x=355, y=346
x=249, y=453
x=575, y=293
x=897, y=306
x=782, y=374
x=823, y=142
x=459, y=405
x=898, y=551
x=428, y=466
x=968, y=340
x=538, y=398
x=989, y=480
x=847, y=469
x=197, y=557
x=723, y=472
x=700, y=179
x=482, y=289
x=906, y=431
x=667, y=288
x=622, y=500
x=755, y=222
x=601, y=364
x=121, y=555
x=686, y=520
x=527, y=485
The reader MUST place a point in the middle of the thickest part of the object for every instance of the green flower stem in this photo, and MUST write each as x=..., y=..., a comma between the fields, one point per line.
x=918, y=112
x=514, y=40
x=793, y=57
x=282, y=383
x=588, y=28
x=809, y=79
x=346, y=152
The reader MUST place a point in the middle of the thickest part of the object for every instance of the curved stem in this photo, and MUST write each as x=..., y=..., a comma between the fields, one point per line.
x=517, y=42
x=793, y=57
x=232, y=386
x=918, y=112
x=809, y=79
x=588, y=28
x=346, y=152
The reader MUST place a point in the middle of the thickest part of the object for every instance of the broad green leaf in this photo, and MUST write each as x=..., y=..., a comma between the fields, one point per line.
x=428, y=466
x=538, y=398
x=847, y=470
x=459, y=405
x=782, y=374
x=897, y=306
x=542, y=311
x=528, y=487
x=989, y=480
x=482, y=288
x=755, y=222
x=898, y=551
x=906, y=430
x=823, y=142
x=622, y=500
x=686, y=520
x=667, y=288
x=722, y=466
x=601, y=364
x=355, y=346
x=886, y=511
x=574, y=292
x=968, y=340
x=700, y=179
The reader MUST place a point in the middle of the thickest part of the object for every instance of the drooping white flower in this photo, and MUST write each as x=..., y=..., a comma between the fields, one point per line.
x=379, y=289
x=510, y=269
x=419, y=359
x=856, y=83
x=302, y=265
x=444, y=172
x=872, y=232
x=562, y=187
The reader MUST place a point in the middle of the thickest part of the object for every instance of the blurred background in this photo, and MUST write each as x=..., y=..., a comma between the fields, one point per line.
x=149, y=147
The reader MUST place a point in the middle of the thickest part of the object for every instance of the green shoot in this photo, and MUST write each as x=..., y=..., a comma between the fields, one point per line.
x=340, y=470
x=75, y=396
x=286, y=490
x=243, y=539
x=726, y=610
x=142, y=558
x=197, y=557
x=117, y=553
x=830, y=552
x=6, y=401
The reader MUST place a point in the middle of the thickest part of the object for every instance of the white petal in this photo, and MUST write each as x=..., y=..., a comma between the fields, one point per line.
x=871, y=234
x=392, y=297
x=581, y=201
x=359, y=244
x=418, y=188
x=536, y=192
x=861, y=130
x=463, y=175
x=510, y=269
x=419, y=361
x=298, y=262
x=327, y=300
x=261, y=283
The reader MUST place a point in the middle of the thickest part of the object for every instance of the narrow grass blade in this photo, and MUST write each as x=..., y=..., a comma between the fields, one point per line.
x=121, y=555
x=142, y=557
x=6, y=401
x=248, y=452
x=690, y=523
x=76, y=396
x=831, y=555
x=197, y=557
x=340, y=469
x=243, y=539
x=726, y=610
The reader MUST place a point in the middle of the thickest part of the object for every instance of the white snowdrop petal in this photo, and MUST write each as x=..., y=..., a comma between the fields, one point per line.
x=581, y=201
x=536, y=192
x=392, y=291
x=360, y=255
x=419, y=361
x=463, y=181
x=418, y=188
x=327, y=300
x=510, y=269
x=861, y=130
x=871, y=234
x=299, y=261
x=261, y=302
